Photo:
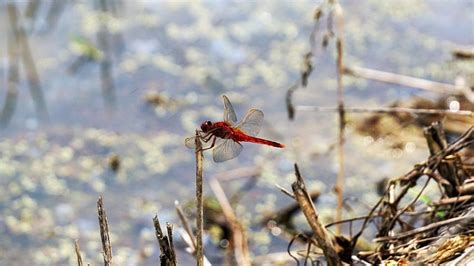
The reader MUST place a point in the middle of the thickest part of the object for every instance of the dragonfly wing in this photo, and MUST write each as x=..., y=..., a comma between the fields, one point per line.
x=229, y=113
x=252, y=122
x=226, y=150
x=190, y=142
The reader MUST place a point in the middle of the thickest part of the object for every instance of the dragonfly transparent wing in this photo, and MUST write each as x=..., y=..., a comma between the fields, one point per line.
x=226, y=150
x=229, y=113
x=190, y=142
x=252, y=122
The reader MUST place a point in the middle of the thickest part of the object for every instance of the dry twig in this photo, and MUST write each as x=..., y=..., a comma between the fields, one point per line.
x=320, y=234
x=408, y=81
x=285, y=191
x=104, y=233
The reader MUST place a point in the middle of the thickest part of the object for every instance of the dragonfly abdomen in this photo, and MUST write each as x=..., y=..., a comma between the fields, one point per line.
x=251, y=139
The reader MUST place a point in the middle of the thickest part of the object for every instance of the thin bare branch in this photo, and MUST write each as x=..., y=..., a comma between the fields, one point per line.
x=285, y=191
x=408, y=81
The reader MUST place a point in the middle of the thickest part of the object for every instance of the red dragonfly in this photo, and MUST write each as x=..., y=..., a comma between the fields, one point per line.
x=225, y=137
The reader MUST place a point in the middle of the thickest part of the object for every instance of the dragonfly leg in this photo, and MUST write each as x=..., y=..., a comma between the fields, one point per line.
x=212, y=144
x=206, y=138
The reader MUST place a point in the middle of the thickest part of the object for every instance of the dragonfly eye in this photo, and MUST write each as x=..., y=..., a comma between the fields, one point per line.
x=206, y=126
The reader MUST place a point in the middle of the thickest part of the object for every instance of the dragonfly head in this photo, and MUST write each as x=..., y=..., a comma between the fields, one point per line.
x=206, y=126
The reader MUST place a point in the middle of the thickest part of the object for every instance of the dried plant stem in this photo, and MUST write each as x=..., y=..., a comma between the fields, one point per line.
x=186, y=226
x=239, y=237
x=403, y=80
x=168, y=255
x=320, y=234
x=169, y=229
x=199, y=202
x=104, y=233
x=339, y=188
x=310, y=108
x=78, y=253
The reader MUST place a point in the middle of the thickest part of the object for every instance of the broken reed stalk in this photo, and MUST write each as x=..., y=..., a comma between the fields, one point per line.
x=340, y=105
x=169, y=229
x=239, y=237
x=104, y=233
x=168, y=255
x=78, y=253
x=385, y=110
x=320, y=233
x=199, y=202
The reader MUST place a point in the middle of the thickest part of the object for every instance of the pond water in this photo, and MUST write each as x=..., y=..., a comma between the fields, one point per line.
x=86, y=82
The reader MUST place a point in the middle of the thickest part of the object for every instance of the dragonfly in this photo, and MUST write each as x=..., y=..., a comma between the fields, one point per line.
x=225, y=137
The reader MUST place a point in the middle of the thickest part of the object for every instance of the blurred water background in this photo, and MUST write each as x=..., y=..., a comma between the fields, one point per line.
x=86, y=84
